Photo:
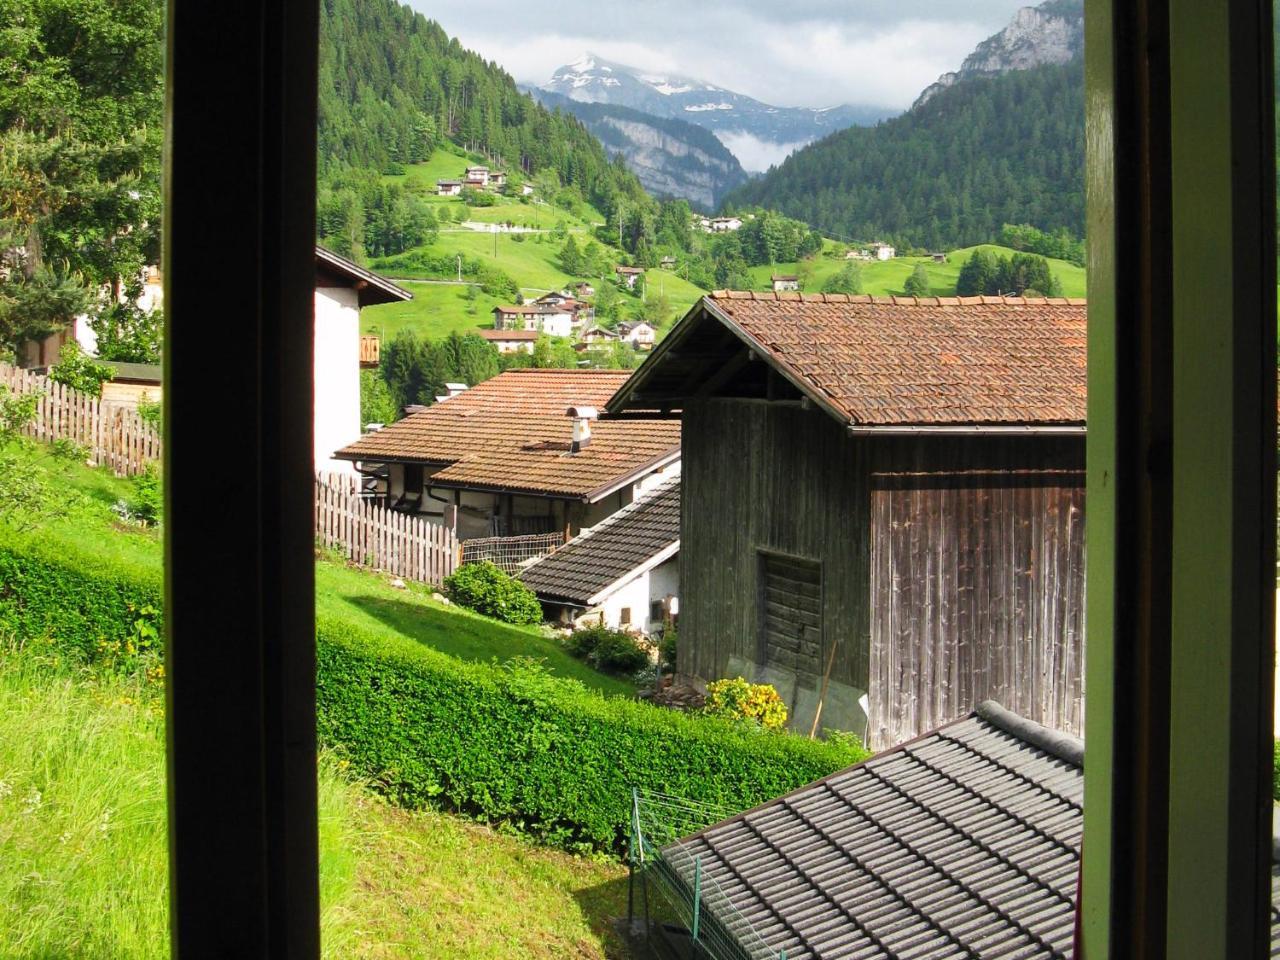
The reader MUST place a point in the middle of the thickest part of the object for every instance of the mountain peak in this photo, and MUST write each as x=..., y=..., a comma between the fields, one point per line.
x=1051, y=33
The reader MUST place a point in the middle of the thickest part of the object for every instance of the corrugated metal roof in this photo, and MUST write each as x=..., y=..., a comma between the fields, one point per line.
x=963, y=843
x=615, y=547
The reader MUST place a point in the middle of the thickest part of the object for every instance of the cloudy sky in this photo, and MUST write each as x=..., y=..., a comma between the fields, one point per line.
x=785, y=52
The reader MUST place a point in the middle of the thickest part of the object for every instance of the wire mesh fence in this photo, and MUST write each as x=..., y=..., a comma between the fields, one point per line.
x=512, y=554
x=695, y=898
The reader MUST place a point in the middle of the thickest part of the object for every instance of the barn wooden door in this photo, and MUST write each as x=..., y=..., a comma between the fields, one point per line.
x=977, y=592
x=791, y=614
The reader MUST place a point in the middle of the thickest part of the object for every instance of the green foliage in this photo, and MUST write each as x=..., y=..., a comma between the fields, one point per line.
x=489, y=590
x=848, y=280
x=415, y=371
x=611, y=651
x=985, y=274
x=505, y=744
x=78, y=370
x=152, y=414
x=146, y=503
x=358, y=213
x=80, y=135
x=376, y=403
x=667, y=647
x=1059, y=245
x=128, y=334
x=753, y=703
x=982, y=153
x=1275, y=770
x=917, y=284
x=418, y=263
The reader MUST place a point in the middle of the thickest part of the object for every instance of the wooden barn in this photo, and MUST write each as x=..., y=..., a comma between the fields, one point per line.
x=883, y=503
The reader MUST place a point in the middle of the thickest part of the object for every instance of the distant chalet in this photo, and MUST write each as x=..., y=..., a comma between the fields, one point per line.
x=886, y=492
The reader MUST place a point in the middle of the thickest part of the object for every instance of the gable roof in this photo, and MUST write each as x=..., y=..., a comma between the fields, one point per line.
x=641, y=534
x=372, y=288
x=511, y=434
x=887, y=363
x=962, y=843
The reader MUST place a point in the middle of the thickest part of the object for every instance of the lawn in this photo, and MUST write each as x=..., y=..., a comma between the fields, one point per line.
x=90, y=527
x=83, y=846
x=436, y=310
x=887, y=278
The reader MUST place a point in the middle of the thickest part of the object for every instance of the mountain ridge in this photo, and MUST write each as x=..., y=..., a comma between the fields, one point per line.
x=755, y=132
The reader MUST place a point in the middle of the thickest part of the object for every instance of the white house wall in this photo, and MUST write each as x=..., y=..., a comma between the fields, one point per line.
x=337, y=375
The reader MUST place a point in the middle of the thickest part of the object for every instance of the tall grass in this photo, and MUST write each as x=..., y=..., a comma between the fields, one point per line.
x=83, y=846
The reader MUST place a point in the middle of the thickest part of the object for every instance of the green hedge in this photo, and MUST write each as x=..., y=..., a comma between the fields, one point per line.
x=506, y=744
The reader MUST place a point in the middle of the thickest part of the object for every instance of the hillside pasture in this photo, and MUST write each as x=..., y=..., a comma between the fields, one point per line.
x=436, y=310
x=889, y=277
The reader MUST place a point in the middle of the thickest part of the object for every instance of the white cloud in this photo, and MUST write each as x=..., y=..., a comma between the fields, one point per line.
x=800, y=53
x=756, y=155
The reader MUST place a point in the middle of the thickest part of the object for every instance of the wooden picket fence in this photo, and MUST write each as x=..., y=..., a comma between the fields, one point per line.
x=371, y=535
x=114, y=436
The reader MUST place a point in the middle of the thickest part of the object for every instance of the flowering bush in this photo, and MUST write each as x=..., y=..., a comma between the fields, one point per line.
x=737, y=699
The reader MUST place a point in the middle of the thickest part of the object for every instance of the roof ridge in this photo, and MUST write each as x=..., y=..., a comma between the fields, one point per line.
x=1061, y=745
x=792, y=296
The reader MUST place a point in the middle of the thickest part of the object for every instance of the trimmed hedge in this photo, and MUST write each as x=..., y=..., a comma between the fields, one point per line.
x=501, y=743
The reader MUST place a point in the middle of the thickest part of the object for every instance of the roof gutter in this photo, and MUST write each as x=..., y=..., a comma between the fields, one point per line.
x=967, y=430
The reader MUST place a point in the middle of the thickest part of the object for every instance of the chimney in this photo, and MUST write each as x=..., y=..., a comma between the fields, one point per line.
x=582, y=417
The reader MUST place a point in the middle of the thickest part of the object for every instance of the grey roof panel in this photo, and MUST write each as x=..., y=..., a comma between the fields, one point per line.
x=962, y=843
x=610, y=550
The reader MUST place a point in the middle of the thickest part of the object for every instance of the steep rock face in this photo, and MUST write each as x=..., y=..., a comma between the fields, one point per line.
x=670, y=157
x=1052, y=33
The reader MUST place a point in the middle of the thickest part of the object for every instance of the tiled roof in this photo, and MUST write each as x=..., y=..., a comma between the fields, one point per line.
x=508, y=334
x=900, y=361
x=963, y=843
x=594, y=561
x=511, y=433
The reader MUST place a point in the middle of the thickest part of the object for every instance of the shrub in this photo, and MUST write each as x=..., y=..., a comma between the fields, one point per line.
x=667, y=648
x=78, y=370
x=504, y=744
x=147, y=501
x=610, y=651
x=756, y=703
x=489, y=590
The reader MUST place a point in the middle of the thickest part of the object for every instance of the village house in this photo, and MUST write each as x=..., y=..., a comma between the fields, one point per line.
x=628, y=275
x=896, y=516
x=623, y=573
x=511, y=341
x=667, y=263
x=370, y=351
x=497, y=178
x=555, y=321
x=526, y=189
x=479, y=175
x=639, y=334
x=725, y=224
x=597, y=335
x=857, y=254
x=506, y=458
x=449, y=188
x=583, y=290
x=938, y=257
x=342, y=290
x=882, y=251
x=784, y=281
x=132, y=384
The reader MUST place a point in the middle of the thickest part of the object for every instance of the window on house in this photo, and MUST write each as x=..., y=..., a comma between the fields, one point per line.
x=624, y=616
x=791, y=613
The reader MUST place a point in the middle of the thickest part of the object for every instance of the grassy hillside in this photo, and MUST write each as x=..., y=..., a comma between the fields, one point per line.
x=887, y=278
x=90, y=527
x=83, y=852
x=436, y=310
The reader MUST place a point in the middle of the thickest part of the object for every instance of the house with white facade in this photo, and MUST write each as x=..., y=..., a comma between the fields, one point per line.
x=478, y=175
x=511, y=341
x=526, y=189
x=622, y=573
x=640, y=335
x=784, y=281
x=555, y=321
x=883, y=251
x=449, y=188
x=342, y=289
x=725, y=224
x=521, y=453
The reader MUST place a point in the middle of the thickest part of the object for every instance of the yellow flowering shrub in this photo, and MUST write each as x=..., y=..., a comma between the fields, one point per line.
x=737, y=699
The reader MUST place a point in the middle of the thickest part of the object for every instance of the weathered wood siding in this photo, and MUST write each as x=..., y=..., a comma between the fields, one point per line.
x=985, y=537
x=977, y=592
x=780, y=480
